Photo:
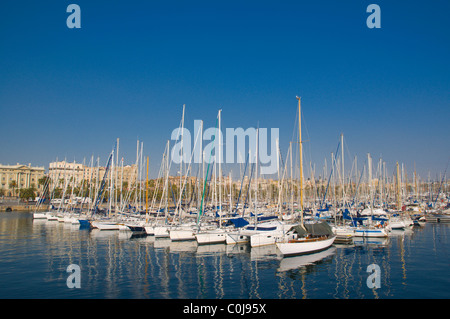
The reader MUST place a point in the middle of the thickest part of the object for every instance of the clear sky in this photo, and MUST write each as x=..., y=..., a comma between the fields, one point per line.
x=69, y=93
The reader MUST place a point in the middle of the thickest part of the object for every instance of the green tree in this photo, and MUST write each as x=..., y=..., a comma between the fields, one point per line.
x=44, y=180
x=13, y=185
x=27, y=193
x=57, y=192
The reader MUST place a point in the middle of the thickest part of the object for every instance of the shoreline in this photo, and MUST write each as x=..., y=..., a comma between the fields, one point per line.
x=22, y=207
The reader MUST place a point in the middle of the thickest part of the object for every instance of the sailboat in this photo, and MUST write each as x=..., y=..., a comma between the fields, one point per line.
x=213, y=234
x=375, y=226
x=101, y=224
x=159, y=227
x=180, y=230
x=271, y=229
x=42, y=215
x=136, y=225
x=397, y=219
x=108, y=223
x=305, y=238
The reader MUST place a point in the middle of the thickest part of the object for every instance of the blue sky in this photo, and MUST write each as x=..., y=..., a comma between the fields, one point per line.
x=69, y=93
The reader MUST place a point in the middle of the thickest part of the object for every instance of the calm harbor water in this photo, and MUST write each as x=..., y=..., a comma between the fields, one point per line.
x=35, y=254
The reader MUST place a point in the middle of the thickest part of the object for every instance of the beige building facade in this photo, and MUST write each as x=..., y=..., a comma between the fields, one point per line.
x=16, y=177
x=63, y=172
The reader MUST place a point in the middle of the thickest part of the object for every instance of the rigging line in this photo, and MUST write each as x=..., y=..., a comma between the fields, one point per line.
x=305, y=126
x=207, y=172
x=359, y=182
x=159, y=181
x=281, y=182
x=242, y=183
x=331, y=172
x=442, y=181
x=182, y=190
x=248, y=189
x=294, y=131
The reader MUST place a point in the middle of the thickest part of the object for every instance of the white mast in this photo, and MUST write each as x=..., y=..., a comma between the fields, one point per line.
x=116, y=174
x=121, y=185
x=369, y=164
x=137, y=171
x=73, y=183
x=256, y=175
x=141, y=165
x=292, y=180
x=111, y=184
x=166, y=183
x=343, y=178
x=231, y=187
x=200, y=166
x=181, y=161
x=220, y=172
x=65, y=187
x=301, y=157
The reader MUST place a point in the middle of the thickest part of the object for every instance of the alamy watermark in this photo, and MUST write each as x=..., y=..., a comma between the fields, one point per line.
x=374, y=279
x=74, y=279
x=239, y=146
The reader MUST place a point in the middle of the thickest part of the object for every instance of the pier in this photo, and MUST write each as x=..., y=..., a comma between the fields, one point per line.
x=15, y=206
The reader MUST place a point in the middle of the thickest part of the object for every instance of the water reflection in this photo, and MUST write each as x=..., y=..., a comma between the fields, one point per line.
x=116, y=264
x=287, y=264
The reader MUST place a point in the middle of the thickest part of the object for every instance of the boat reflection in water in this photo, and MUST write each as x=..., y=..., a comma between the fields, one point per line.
x=123, y=265
x=304, y=260
x=161, y=268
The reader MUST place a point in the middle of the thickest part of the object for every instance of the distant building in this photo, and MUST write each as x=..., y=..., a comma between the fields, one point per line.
x=15, y=177
x=64, y=172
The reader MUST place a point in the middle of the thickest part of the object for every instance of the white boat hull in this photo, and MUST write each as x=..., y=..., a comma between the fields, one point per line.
x=233, y=238
x=52, y=217
x=212, y=237
x=40, y=215
x=371, y=232
x=397, y=225
x=124, y=228
x=265, y=238
x=161, y=232
x=304, y=247
x=181, y=234
x=343, y=231
x=71, y=220
x=106, y=226
x=149, y=230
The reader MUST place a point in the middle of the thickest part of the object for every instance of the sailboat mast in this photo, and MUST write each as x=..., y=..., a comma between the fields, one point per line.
x=111, y=184
x=202, y=166
x=291, y=181
x=369, y=165
x=399, y=202
x=146, y=195
x=256, y=174
x=181, y=161
x=116, y=174
x=166, y=187
x=220, y=171
x=343, y=178
x=301, y=156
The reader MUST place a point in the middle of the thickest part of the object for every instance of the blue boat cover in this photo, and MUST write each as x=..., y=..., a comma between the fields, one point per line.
x=239, y=222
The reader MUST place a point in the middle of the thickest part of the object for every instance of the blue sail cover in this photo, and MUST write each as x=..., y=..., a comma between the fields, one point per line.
x=266, y=218
x=355, y=220
x=239, y=222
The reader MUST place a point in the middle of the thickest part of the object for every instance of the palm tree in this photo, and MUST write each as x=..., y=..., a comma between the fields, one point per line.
x=13, y=185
